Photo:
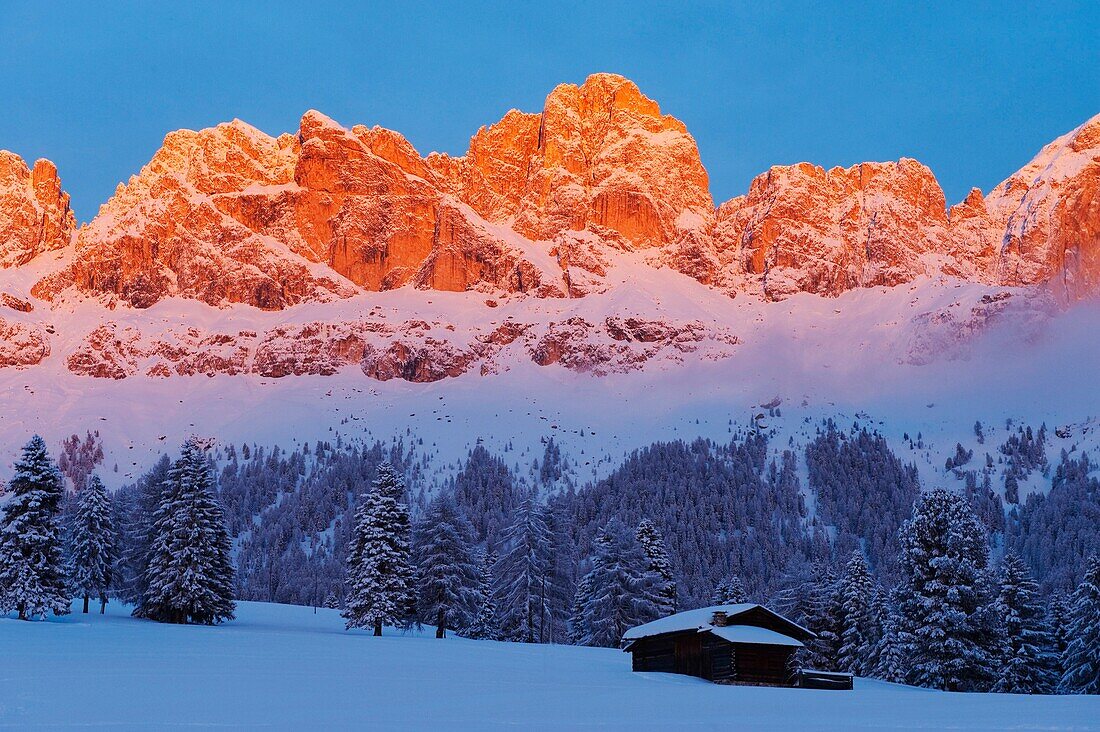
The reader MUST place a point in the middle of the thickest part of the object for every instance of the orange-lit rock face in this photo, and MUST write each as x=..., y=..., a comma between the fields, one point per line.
x=230, y=214
x=34, y=212
x=804, y=229
x=1048, y=215
x=543, y=204
x=601, y=156
x=167, y=232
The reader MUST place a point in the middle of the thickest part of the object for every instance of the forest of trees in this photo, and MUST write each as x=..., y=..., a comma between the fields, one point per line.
x=941, y=588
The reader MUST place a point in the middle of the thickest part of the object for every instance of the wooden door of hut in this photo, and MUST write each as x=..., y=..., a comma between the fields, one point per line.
x=688, y=653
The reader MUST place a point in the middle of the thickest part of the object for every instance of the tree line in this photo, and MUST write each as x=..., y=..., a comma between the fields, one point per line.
x=581, y=566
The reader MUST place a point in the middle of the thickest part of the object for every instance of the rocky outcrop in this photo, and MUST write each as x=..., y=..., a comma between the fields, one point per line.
x=802, y=228
x=413, y=350
x=1046, y=217
x=22, y=344
x=601, y=157
x=231, y=215
x=35, y=216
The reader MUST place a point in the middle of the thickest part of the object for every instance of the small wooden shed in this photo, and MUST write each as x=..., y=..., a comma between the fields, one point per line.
x=736, y=644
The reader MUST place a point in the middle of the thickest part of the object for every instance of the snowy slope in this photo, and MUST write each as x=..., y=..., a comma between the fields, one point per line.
x=932, y=357
x=284, y=667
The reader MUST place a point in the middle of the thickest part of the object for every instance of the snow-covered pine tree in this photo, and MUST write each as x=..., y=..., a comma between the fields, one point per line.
x=526, y=588
x=93, y=543
x=486, y=625
x=1081, y=660
x=137, y=506
x=857, y=620
x=190, y=574
x=821, y=614
x=380, y=578
x=1058, y=617
x=653, y=544
x=1029, y=662
x=619, y=593
x=447, y=576
x=946, y=602
x=31, y=559
x=730, y=591
x=890, y=651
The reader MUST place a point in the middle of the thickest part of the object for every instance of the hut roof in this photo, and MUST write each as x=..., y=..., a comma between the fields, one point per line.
x=701, y=619
x=754, y=634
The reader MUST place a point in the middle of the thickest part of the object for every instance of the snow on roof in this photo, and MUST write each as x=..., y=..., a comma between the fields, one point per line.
x=698, y=619
x=753, y=634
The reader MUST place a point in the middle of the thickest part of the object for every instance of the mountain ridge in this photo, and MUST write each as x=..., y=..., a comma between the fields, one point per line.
x=598, y=192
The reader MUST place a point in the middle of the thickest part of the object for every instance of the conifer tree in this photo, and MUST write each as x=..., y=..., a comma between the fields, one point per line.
x=526, y=589
x=31, y=559
x=380, y=578
x=1029, y=661
x=1081, y=660
x=190, y=574
x=857, y=620
x=1058, y=617
x=447, y=575
x=946, y=603
x=93, y=544
x=821, y=614
x=136, y=531
x=619, y=593
x=486, y=625
x=890, y=651
x=653, y=544
x=730, y=591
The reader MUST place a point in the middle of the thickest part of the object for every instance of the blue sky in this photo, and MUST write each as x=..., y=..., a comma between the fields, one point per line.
x=971, y=89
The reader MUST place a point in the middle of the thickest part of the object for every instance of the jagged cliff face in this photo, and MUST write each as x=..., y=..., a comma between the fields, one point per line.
x=34, y=212
x=1047, y=217
x=539, y=205
x=545, y=206
x=601, y=157
x=804, y=229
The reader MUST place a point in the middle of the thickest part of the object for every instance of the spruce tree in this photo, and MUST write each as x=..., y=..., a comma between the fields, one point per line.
x=190, y=574
x=1081, y=660
x=1029, y=661
x=526, y=589
x=486, y=625
x=891, y=663
x=946, y=603
x=653, y=544
x=380, y=578
x=31, y=559
x=93, y=544
x=730, y=591
x=139, y=506
x=1058, y=617
x=619, y=593
x=821, y=613
x=447, y=575
x=857, y=620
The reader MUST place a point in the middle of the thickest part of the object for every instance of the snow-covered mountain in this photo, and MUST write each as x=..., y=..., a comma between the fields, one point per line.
x=570, y=272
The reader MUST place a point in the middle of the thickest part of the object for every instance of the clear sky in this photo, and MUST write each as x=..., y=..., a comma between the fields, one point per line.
x=972, y=89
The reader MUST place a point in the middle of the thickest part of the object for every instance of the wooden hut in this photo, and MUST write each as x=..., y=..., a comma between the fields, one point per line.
x=733, y=644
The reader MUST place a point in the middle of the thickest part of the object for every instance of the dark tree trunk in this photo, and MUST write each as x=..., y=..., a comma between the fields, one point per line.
x=102, y=604
x=23, y=611
x=85, y=603
x=378, y=627
x=441, y=623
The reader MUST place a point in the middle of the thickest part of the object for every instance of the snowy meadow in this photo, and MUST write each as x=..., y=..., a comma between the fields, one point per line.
x=289, y=667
